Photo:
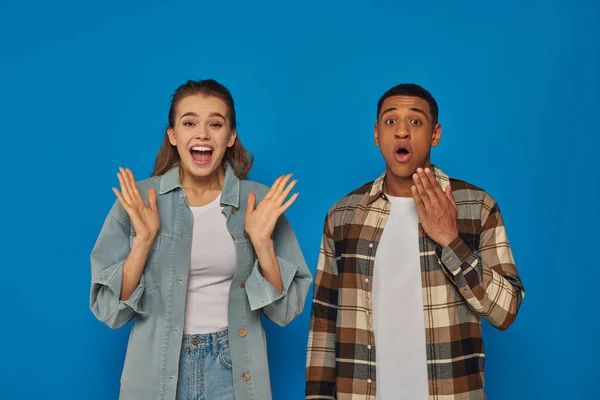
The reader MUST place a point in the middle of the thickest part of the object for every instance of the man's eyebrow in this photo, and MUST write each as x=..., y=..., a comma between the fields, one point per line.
x=387, y=110
x=420, y=111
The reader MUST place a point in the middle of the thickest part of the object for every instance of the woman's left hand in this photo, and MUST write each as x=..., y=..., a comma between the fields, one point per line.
x=260, y=222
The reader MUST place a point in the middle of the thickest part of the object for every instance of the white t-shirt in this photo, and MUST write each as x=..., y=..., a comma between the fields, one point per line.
x=399, y=325
x=212, y=269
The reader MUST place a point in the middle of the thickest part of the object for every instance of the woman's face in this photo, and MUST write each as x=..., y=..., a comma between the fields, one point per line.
x=201, y=132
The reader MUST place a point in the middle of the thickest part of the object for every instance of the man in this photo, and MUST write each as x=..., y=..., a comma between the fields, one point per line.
x=409, y=265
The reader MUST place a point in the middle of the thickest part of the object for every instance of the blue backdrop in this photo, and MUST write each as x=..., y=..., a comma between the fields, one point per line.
x=85, y=88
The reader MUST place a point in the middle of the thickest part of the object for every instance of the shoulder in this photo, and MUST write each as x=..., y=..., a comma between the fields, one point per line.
x=247, y=187
x=344, y=210
x=472, y=201
x=351, y=200
x=464, y=191
x=152, y=182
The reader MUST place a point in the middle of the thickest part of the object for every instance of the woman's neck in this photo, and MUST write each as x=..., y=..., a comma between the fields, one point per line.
x=200, y=191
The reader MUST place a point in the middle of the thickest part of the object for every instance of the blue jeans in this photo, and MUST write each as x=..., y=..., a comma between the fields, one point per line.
x=205, y=368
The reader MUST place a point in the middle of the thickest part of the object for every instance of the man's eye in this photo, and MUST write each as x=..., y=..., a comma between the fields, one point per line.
x=416, y=122
x=390, y=121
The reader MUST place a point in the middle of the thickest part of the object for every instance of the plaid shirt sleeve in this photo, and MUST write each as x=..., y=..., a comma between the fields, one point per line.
x=321, y=356
x=487, y=278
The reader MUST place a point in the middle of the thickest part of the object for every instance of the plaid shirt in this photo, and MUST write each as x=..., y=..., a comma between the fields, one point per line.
x=474, y=277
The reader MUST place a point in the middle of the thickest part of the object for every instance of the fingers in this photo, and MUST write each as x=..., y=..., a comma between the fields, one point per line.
x=121, y=199
x=432, y=197
x=437, y=189
x=289, y=203
x=278, y=186
x=152, y=199
x=124, y=187
x=133, y=185
x=274, y=187
x=287, y=191
x=282, y=183
x=251, y=202
x=421, y=191
x=418, y=201
x=133, y=215
x=131, y=192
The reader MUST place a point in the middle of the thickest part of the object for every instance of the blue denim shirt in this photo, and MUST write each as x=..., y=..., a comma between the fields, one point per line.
x=158, y=304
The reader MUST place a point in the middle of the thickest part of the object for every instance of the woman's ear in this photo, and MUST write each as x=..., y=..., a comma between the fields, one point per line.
x=232, y=138
x=171, y=135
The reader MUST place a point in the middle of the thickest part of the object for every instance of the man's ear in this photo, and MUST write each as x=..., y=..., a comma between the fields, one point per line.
x=436, y=138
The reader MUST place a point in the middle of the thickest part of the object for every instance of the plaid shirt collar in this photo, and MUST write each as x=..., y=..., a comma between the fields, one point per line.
x=377, y=188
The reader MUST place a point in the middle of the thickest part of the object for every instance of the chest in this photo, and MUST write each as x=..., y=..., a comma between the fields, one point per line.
x=373, y=237
x=213, y=250
x=214, y=239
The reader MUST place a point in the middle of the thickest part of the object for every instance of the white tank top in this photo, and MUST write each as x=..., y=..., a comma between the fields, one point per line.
x=212, y=269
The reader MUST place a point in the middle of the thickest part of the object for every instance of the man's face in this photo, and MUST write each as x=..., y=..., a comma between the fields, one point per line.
x=405, y=133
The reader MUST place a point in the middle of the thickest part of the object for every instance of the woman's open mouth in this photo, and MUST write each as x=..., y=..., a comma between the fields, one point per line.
x=201, y=154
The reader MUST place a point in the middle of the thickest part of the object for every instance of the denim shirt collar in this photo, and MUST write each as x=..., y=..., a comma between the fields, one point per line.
x=230, y=194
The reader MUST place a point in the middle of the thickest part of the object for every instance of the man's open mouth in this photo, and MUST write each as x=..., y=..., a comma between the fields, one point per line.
x=403, y=154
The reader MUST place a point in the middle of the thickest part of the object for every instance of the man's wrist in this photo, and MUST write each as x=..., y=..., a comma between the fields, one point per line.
x=447, y=240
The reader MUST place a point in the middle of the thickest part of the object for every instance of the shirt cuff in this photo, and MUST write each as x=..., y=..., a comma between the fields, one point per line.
x=260, y=291
x=112, y=277
x=455, y=255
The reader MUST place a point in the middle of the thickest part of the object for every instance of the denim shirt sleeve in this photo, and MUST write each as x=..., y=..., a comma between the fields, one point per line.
x=281, y=308
x=108, y=255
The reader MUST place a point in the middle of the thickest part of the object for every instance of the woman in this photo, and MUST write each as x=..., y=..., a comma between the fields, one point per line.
x=190, y=257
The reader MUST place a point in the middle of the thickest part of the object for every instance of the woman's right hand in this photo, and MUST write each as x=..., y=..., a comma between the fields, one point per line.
x=144, y=218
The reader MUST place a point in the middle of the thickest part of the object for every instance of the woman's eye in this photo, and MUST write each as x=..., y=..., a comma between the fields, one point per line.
x=188, y=123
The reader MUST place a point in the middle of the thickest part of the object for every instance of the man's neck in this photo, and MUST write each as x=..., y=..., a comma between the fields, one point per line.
x=396, y=186
x=399, y=186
